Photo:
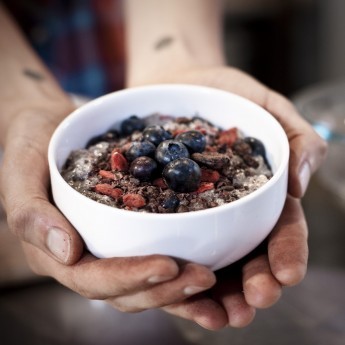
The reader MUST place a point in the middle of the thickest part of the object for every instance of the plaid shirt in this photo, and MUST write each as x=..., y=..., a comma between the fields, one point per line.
x=81, y=41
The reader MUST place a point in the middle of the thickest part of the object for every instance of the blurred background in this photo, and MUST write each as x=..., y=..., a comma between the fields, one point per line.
x=296, y=47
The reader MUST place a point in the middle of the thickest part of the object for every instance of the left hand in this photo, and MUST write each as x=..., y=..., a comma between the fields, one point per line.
x=257, y=280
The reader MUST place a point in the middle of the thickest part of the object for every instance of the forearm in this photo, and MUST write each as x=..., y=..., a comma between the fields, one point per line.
x=26, y=83
x=171, y=36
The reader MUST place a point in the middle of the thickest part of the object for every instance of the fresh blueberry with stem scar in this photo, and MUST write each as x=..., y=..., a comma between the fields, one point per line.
x=143, y=168
x=182, y=175
x=194, y=140
x=140, y=148
x=169, y=150
x=156, y=134
x=132, y=124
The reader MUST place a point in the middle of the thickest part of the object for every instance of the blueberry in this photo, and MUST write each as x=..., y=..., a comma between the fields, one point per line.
x=156, y=134
x=132, y=124
x=258, y=148
x=170, y=202
x=194, y=140
x=143, y=168
x=182, y=175
x=169, y=150
x=108, y=136
x=140, y=148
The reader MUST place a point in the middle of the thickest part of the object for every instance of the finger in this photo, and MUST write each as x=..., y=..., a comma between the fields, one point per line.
x=307, y=149
x=287, y=244
x=104, y=278
x=229, y=293
x=192, y=280
x=205, y=311
x=24, y=191
x=261, y=288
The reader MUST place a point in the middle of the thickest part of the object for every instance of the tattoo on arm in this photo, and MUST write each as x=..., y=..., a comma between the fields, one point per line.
x=33, y=74
x=164, y=42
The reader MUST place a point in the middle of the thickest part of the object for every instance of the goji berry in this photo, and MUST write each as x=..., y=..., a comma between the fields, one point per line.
x=228, y=137
x=134, y=200
x=118, y=162
x=106, y=174
x=204, y=186
x=107, y=189
x=208, y=175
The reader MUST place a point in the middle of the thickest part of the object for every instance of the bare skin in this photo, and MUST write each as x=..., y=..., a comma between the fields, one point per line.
x=32, y=105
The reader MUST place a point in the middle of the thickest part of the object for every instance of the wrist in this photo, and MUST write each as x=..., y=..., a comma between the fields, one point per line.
x=171, y=37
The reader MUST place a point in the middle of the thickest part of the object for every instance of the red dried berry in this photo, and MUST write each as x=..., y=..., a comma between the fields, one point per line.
x=134, y=200
x=118, y=162
x=107, y=189
x=106, y=174
x=228, y=137
x=208, y=175
x=204, y=186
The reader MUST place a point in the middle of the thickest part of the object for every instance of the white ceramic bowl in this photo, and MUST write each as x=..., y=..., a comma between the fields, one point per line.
x=215, y=237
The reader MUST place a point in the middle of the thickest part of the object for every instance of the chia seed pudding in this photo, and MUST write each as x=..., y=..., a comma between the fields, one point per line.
x=163, y=164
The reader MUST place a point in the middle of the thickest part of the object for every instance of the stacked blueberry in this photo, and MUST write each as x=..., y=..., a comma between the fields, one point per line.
x=158, y=151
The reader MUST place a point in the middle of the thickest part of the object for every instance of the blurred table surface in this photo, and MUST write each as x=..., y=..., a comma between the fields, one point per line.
x=35, y=311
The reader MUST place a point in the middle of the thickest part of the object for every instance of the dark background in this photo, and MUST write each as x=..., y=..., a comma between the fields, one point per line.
x=287, y=44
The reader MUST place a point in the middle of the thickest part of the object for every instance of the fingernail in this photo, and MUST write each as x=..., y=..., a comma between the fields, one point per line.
x=159, y=279
x=304, y=176
x=292, y=276
x=58, y=242
x=192, y=290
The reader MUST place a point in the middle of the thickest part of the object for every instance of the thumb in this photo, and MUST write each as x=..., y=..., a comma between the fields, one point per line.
x=307, y=149
x=24, y=182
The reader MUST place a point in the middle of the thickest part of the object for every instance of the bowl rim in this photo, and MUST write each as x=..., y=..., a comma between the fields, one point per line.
x=77, y=113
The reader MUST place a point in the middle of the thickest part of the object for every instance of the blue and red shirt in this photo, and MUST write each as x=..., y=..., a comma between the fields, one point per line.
x=80, y=41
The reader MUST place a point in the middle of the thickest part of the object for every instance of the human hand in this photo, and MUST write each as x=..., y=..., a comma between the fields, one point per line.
x=52, y=246
x=129, y=284
x=24, y=182
x=257, y=280
x=137, y=283
x=307, y=149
